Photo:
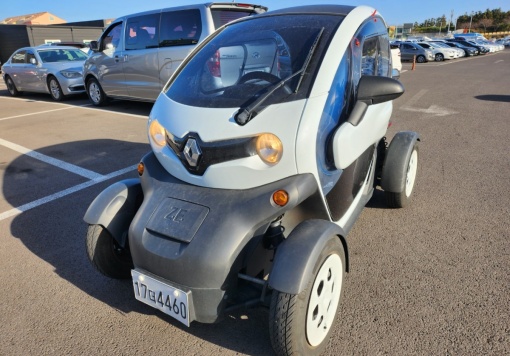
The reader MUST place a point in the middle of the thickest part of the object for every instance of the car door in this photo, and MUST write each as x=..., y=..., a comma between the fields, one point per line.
x=407, y=51
x=180, y=31
x=108, y=61
x=33, y=75
x=16, y=68
x=370, y=57
x=140, y=65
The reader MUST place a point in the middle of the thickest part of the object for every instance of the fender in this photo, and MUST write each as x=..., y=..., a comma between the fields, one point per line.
x=395, y=162
x=297, y=255
x=115, y=207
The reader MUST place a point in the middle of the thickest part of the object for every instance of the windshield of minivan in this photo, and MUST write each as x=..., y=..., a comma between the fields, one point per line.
x=244, y=59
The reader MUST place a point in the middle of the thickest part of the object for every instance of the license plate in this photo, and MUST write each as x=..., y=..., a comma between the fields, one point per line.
x=159, y=295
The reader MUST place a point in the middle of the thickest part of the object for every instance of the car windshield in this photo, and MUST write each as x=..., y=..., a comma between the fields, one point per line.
x=61, y=55
x=248, y=58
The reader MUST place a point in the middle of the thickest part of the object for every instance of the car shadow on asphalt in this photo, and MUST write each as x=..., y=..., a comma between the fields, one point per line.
x=55, y=232
x=121, y=106
x=494, y=97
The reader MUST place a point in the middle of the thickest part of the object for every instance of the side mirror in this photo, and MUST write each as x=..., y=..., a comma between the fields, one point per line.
x=94, y=46
x=350, y=139
x=374, y=90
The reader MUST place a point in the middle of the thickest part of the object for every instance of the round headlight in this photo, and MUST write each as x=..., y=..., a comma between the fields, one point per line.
x=157, y=133
x=269, y=148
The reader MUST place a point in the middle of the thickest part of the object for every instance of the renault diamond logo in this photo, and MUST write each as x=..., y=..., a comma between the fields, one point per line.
x=192, y=152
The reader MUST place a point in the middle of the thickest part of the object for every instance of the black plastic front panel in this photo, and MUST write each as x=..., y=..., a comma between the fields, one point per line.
x=208, y=258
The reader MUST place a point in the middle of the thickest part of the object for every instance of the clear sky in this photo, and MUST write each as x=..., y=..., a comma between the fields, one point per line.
x=395, y=12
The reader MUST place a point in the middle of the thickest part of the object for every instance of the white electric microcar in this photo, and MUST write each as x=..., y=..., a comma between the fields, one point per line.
x=267, y=143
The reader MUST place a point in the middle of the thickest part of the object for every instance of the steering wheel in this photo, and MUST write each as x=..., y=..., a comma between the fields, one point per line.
x=267, y=77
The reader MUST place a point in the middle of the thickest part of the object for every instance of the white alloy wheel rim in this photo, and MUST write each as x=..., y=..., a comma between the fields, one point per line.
x=55, y=90
x=411, y=173
x=324, y=300
x=94, y=93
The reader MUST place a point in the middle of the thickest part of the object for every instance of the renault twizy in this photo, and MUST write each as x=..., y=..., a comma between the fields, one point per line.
x=267, y=143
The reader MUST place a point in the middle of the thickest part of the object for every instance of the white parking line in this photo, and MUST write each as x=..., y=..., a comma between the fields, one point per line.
x=63, y=193
x=50, y=160
x=34, y=113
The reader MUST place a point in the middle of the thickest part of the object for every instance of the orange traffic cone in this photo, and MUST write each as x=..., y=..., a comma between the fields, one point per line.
x=414, y=63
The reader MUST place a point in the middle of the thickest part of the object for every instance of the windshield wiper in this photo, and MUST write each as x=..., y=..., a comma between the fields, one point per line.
x=246, y=114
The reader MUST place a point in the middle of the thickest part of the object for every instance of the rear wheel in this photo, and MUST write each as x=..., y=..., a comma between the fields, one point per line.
x=11, y=87
x=106, y=255
x=402, y=197
x=96, y=93
x=301, y=324
x=55, y=89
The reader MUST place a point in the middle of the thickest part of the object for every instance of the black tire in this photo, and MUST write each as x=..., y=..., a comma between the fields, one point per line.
x=95, y=92
x=11, y=87
x=402, y=197
x=106, y=255
x=421, y=59
x=55, y=89
x=439, y=57
x=297, y=323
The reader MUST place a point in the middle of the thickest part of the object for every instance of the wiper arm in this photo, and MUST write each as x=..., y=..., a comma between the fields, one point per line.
x=243, y=116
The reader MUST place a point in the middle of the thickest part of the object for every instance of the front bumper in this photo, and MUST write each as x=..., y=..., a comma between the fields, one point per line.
x=197, y=239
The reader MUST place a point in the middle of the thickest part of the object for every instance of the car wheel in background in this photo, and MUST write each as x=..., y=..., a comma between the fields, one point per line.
x=421, y=59
x=96, y=93
x=55, y=89
x=11, y=87
x=439, y=57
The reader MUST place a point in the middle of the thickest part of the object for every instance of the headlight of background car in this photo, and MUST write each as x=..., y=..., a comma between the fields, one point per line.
x=269, y=148
x=70, y=74
x=157, y=133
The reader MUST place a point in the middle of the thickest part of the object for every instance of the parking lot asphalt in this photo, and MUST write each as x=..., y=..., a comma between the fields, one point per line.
x=430, y=279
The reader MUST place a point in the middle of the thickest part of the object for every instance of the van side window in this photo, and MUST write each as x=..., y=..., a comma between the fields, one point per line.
x=18, y=57
x=111, y=39
x=142, y=32
x=180, y=28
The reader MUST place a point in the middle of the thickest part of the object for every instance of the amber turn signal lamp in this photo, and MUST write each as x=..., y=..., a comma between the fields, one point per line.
x=280, y=197
x=140, y=168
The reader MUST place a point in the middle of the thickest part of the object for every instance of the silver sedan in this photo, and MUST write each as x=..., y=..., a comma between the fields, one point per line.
x=45, y=69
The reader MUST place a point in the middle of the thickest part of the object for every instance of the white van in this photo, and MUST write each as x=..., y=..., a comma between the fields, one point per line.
x=136, y=54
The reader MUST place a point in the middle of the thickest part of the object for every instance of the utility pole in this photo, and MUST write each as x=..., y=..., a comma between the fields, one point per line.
x=451, y=18
x=470, y=21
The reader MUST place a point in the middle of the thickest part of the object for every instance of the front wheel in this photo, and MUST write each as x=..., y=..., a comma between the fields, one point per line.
x=106, y=255
x=301, y=324
x=439, y=57
x=55, y=89
x=421, y=59
x=96, y=93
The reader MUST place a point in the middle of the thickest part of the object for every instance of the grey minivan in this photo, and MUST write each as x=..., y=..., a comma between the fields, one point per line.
x=136, y=55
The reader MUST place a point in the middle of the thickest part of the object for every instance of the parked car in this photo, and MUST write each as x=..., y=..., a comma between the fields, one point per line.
x=46, y=69
x=457, y=52
x=440, y=54
x=411, y=50
x=266, y=145
x=481, y=49
x=137, y=54
x=469, y=51
x=84, y=47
